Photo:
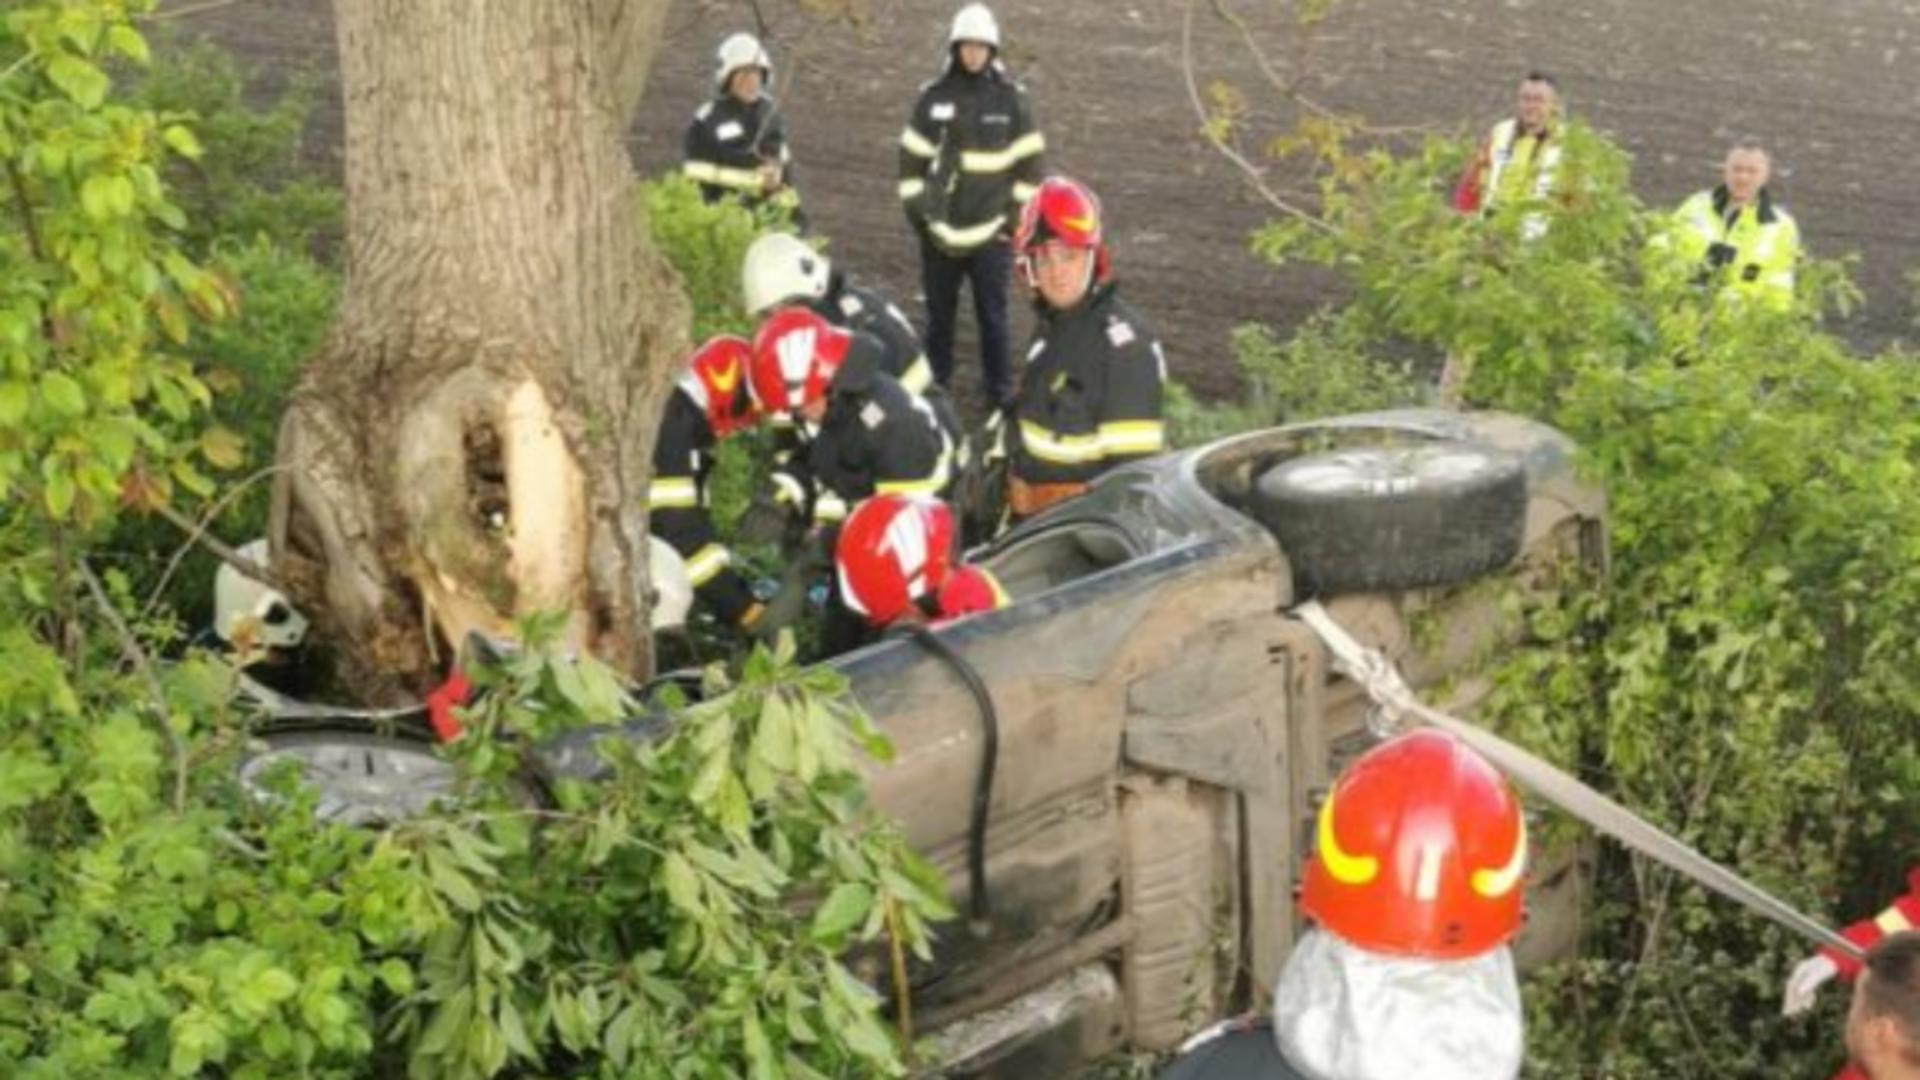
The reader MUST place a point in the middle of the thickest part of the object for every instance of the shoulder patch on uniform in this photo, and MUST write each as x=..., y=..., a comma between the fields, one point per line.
x=941, y=110
x=872, y=414
x=705, y=110
x=729, y=130
x=1120, y=333
x=850, y=305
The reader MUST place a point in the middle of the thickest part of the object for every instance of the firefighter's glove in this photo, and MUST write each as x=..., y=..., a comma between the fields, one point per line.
x=1804, y=984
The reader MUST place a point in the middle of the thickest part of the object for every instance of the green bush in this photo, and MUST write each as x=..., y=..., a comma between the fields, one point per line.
x=1748, y=677
x=1328, y=367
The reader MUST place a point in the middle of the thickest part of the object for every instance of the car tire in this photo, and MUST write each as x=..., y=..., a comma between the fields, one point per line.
x=1394, y=517
x=361, y=777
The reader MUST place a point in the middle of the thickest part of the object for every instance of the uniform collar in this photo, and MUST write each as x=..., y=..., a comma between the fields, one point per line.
x=1763, y=205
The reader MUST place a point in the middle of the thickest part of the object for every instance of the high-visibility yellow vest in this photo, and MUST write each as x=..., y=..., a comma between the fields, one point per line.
x=1519, y=166
x=1764, y=238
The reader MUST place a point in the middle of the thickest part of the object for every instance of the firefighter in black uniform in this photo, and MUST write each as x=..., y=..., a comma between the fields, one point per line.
x=969, y=157
x=708, y=403
x=1090, y=397
x=862, y=433
x=781, y=269
x=737, y=143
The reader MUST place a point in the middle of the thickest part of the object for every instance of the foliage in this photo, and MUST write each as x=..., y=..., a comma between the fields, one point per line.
x=157, y=918
x=252, y=182
x=651, y=928
x=1746, y=677
x=1327, y=368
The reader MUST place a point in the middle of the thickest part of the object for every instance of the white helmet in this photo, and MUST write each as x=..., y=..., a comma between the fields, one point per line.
x=780, y=267
x=672, y=589
x=742, y=51
x=975, y=22
x=245, y=609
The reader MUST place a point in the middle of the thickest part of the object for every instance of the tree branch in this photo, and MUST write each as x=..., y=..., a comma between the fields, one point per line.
x=198, y=532
x=1253, y=173
x=137, y=657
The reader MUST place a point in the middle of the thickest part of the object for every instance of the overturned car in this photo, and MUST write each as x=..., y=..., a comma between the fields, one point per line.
x=1146, y=730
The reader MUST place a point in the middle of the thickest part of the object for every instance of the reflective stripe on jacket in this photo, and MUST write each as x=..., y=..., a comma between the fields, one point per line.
x=1092, y=393
x=969, y=156
x=1765, y=241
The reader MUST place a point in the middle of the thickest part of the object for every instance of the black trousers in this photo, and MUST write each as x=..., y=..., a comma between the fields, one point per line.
x=990, y=269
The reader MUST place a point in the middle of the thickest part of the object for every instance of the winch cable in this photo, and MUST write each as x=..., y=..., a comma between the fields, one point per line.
x=1384, y=685
x=978, y=905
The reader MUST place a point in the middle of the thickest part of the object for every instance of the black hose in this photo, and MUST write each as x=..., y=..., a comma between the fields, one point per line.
x=978, y=905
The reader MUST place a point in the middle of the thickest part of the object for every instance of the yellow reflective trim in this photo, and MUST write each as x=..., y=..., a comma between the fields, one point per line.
x=788, y=489
x=707, y=172
x=1022, y=191
x=1344, y=868
x=706, y=564
x=967, y=237
x=918, y=376
x=667, y=493
x=1133, y=437
x=995, y=161
x=916, y=144
x=1494, y=884
x=1892, y=921
x=829, y=507
x=912, y=189
x=1048, y=445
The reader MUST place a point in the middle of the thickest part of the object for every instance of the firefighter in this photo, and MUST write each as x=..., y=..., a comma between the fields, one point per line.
x=709, y=402
x=861, y=432
x=1415, y=889
x=969, y=157
x=896, y=562
x=1883, y=1022
x=781, y=269
x=1736, y=238
x=737, y=143
x=1091, y=394
x=1900, y=915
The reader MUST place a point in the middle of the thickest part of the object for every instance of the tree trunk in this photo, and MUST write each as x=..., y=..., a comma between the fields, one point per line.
x=472, y=444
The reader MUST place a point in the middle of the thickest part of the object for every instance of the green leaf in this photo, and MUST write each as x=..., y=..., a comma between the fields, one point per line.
x=450, y=883
x=682, y=883
x=127, y=41
x=14, y=398
x=845, y=908
x=63, y=394
x=59, y=488
x=86, y=84
x=182, y=141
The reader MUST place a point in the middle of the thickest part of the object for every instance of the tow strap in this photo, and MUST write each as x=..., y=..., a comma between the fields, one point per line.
x=1384, y=685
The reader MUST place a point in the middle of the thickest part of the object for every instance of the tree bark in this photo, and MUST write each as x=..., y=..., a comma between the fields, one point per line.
x=473, y=442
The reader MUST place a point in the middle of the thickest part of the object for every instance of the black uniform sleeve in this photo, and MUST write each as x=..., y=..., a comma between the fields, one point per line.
x=911, y=456
x=1131, y=410
x=677, y=514
x=1030, y=165
x=919, y=147
x=700, y=157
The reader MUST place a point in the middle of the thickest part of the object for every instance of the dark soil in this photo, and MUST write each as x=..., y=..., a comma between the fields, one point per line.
x=1827, y=86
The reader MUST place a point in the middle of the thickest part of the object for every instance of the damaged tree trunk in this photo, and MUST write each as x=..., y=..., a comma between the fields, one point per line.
x=472, y=443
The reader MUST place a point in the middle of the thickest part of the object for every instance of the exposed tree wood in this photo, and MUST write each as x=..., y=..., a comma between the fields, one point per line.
x=473, y=440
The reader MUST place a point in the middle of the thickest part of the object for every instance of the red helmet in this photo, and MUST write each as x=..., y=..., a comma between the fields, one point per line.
x=795, y=354
x=1420, y=852
x=893, y=551
x=716, y=380
x=1063, y=212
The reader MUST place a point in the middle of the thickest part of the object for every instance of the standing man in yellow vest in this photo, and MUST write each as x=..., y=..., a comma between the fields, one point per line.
x=1519, y=158
x=1737, y=237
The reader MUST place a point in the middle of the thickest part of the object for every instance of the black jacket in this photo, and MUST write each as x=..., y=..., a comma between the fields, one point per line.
x=1091, y=395
x=970, y=155
x=726, y=144
x=876, y=437
x=678, y=508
